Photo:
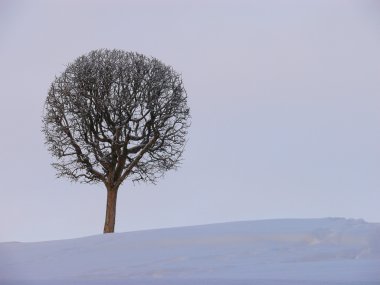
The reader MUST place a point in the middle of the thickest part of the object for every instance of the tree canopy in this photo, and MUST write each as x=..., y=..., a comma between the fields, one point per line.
x=113, y=115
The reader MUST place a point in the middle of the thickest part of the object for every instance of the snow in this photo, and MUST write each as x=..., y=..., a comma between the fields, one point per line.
x=329, y=251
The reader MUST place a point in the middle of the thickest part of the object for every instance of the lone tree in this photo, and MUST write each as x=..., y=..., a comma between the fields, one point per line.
x=113, y=115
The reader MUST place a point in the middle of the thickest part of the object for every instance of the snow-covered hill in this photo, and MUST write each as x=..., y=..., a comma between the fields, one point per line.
x=272, y=252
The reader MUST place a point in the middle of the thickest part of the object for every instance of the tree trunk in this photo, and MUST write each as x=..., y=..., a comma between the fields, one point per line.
x=109, y=225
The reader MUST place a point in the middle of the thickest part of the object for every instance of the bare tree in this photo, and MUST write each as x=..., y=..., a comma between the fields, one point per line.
x=113, y=115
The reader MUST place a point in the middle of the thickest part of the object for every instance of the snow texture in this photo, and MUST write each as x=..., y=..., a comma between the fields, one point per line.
x=331, y=251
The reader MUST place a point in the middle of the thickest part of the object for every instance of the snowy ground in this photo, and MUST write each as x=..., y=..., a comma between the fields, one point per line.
x=329, y=251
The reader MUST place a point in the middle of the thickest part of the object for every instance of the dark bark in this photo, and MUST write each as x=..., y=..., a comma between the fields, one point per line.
x=109, y=225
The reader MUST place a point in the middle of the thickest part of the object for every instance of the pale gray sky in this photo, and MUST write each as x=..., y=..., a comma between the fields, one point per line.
x=285, y=100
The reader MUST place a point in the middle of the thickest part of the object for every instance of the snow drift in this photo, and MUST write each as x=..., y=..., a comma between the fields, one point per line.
x=271, y=252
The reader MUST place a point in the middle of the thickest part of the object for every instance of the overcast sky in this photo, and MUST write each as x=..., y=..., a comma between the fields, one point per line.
x=284, y=97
